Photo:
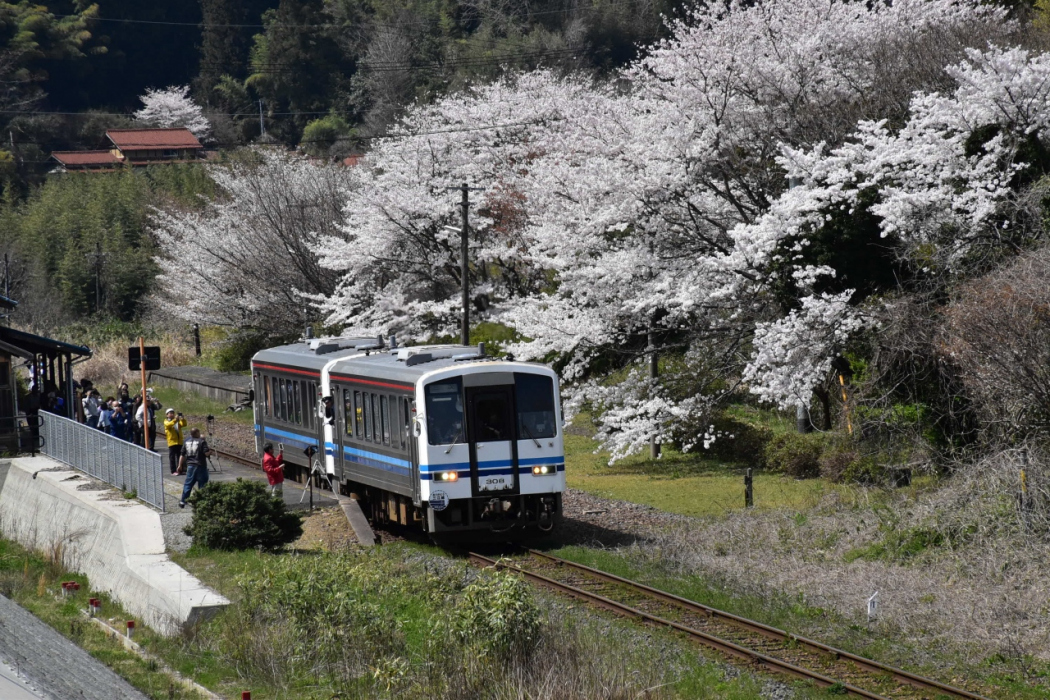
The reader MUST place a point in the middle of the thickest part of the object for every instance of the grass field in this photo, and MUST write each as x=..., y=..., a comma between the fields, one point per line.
x=688, y=484
x=192, y=403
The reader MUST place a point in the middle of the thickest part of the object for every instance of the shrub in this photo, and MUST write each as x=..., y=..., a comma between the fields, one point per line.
x=795, y=454
x=236, y=353
x=835, y=464
x=846, y=465
x=328, y=136
x=241, y=515
x=739, y=441
x=497, y=612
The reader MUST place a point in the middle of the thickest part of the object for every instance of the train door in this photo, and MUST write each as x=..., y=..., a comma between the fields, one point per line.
x=404, y=416
x=261, y=411
x=342, y=427
x=493, y=451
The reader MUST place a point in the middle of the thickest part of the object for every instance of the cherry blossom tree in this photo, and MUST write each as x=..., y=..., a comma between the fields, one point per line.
x=399, y=261
x=957, y=185
x=652, y=214
x=173, y=107
x=247, y=259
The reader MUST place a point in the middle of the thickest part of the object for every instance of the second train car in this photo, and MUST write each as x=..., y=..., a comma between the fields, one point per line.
x=442, y=436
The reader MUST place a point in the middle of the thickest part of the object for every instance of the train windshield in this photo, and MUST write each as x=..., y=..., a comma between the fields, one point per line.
x=445, y=412
x=535, y=397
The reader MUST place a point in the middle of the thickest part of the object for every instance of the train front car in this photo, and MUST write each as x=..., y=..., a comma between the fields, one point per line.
x=491, y=452
x=450, y=439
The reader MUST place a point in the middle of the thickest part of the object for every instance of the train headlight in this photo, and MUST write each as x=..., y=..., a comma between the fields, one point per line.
x=544, y=470
x=449, y=476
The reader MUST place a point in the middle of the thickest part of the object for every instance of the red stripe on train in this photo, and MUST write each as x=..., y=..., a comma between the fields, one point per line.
x=278, y=368
x=354, y=380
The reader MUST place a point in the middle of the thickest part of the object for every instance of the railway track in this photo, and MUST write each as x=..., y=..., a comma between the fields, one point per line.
x=233, y=457
x=744, y=640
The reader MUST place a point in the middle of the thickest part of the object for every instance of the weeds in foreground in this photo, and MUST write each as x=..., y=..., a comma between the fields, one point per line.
x=397, y=623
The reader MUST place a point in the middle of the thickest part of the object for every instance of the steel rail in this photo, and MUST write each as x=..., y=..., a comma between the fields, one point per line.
x=729, y=648
x=236, y=457
x=897, y=674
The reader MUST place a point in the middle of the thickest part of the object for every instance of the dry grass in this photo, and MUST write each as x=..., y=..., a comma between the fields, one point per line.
x=960, y=569
x=108, y=366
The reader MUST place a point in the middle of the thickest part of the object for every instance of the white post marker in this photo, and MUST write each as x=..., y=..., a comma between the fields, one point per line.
x=873, y=606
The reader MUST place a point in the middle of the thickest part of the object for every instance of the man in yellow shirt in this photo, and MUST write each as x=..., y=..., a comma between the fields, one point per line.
x=173, y=425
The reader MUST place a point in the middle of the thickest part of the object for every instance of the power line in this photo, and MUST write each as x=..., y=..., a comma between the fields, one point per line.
x=325, y=25
x=275, y=68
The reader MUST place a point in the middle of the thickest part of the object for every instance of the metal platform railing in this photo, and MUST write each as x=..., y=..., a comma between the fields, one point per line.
x=118, y=462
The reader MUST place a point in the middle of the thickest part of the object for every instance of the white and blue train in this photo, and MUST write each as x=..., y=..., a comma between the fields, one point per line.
x=441, y=435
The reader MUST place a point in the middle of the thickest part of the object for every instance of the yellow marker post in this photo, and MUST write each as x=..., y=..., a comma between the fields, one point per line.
x=845, y=403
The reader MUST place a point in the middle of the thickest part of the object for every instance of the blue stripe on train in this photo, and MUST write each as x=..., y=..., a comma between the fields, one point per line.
x=401, y=466
x=295, y=439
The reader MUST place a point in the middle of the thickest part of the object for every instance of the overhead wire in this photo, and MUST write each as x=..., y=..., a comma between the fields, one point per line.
x=325, y=25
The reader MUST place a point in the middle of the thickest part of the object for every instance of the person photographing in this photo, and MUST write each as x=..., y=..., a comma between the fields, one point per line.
x=274, y=468
x=195, y=453
x=173, y=425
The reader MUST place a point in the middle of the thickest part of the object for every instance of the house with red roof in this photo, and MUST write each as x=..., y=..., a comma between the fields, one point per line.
x=135, y=147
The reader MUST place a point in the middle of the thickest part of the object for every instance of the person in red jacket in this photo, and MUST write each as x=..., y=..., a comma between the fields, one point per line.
x=274, y=468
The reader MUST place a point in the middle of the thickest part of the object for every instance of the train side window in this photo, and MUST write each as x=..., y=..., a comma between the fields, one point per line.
x=297, y=399
x=312, y=403
x=348, y=412
x=280, y=398
x=377, y=427
x=359, y=419
x=286, y=403
x=384, y=403
x=395, y=419
x=367, y=415
x=308, y=406
x=406, y=420
x=286, y=389
x=283, y=386
x=275, y=397
x=267, y=399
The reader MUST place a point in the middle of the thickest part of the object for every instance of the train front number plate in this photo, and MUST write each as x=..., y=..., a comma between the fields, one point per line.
x=495, y=483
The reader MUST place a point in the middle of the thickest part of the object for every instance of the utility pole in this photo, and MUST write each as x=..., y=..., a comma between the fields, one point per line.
x=464, y=259
x=145, y=406
x=7, y=277
x=98, y=255
x=262, y=126
x=654, y=373
x=464, y=267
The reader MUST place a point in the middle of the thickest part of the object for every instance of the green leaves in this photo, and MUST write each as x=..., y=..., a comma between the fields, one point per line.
x=241, y=515
x=498, y=614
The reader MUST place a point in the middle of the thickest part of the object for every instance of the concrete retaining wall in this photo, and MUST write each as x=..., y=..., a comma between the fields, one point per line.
x=116, y=542
x=227, y=387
